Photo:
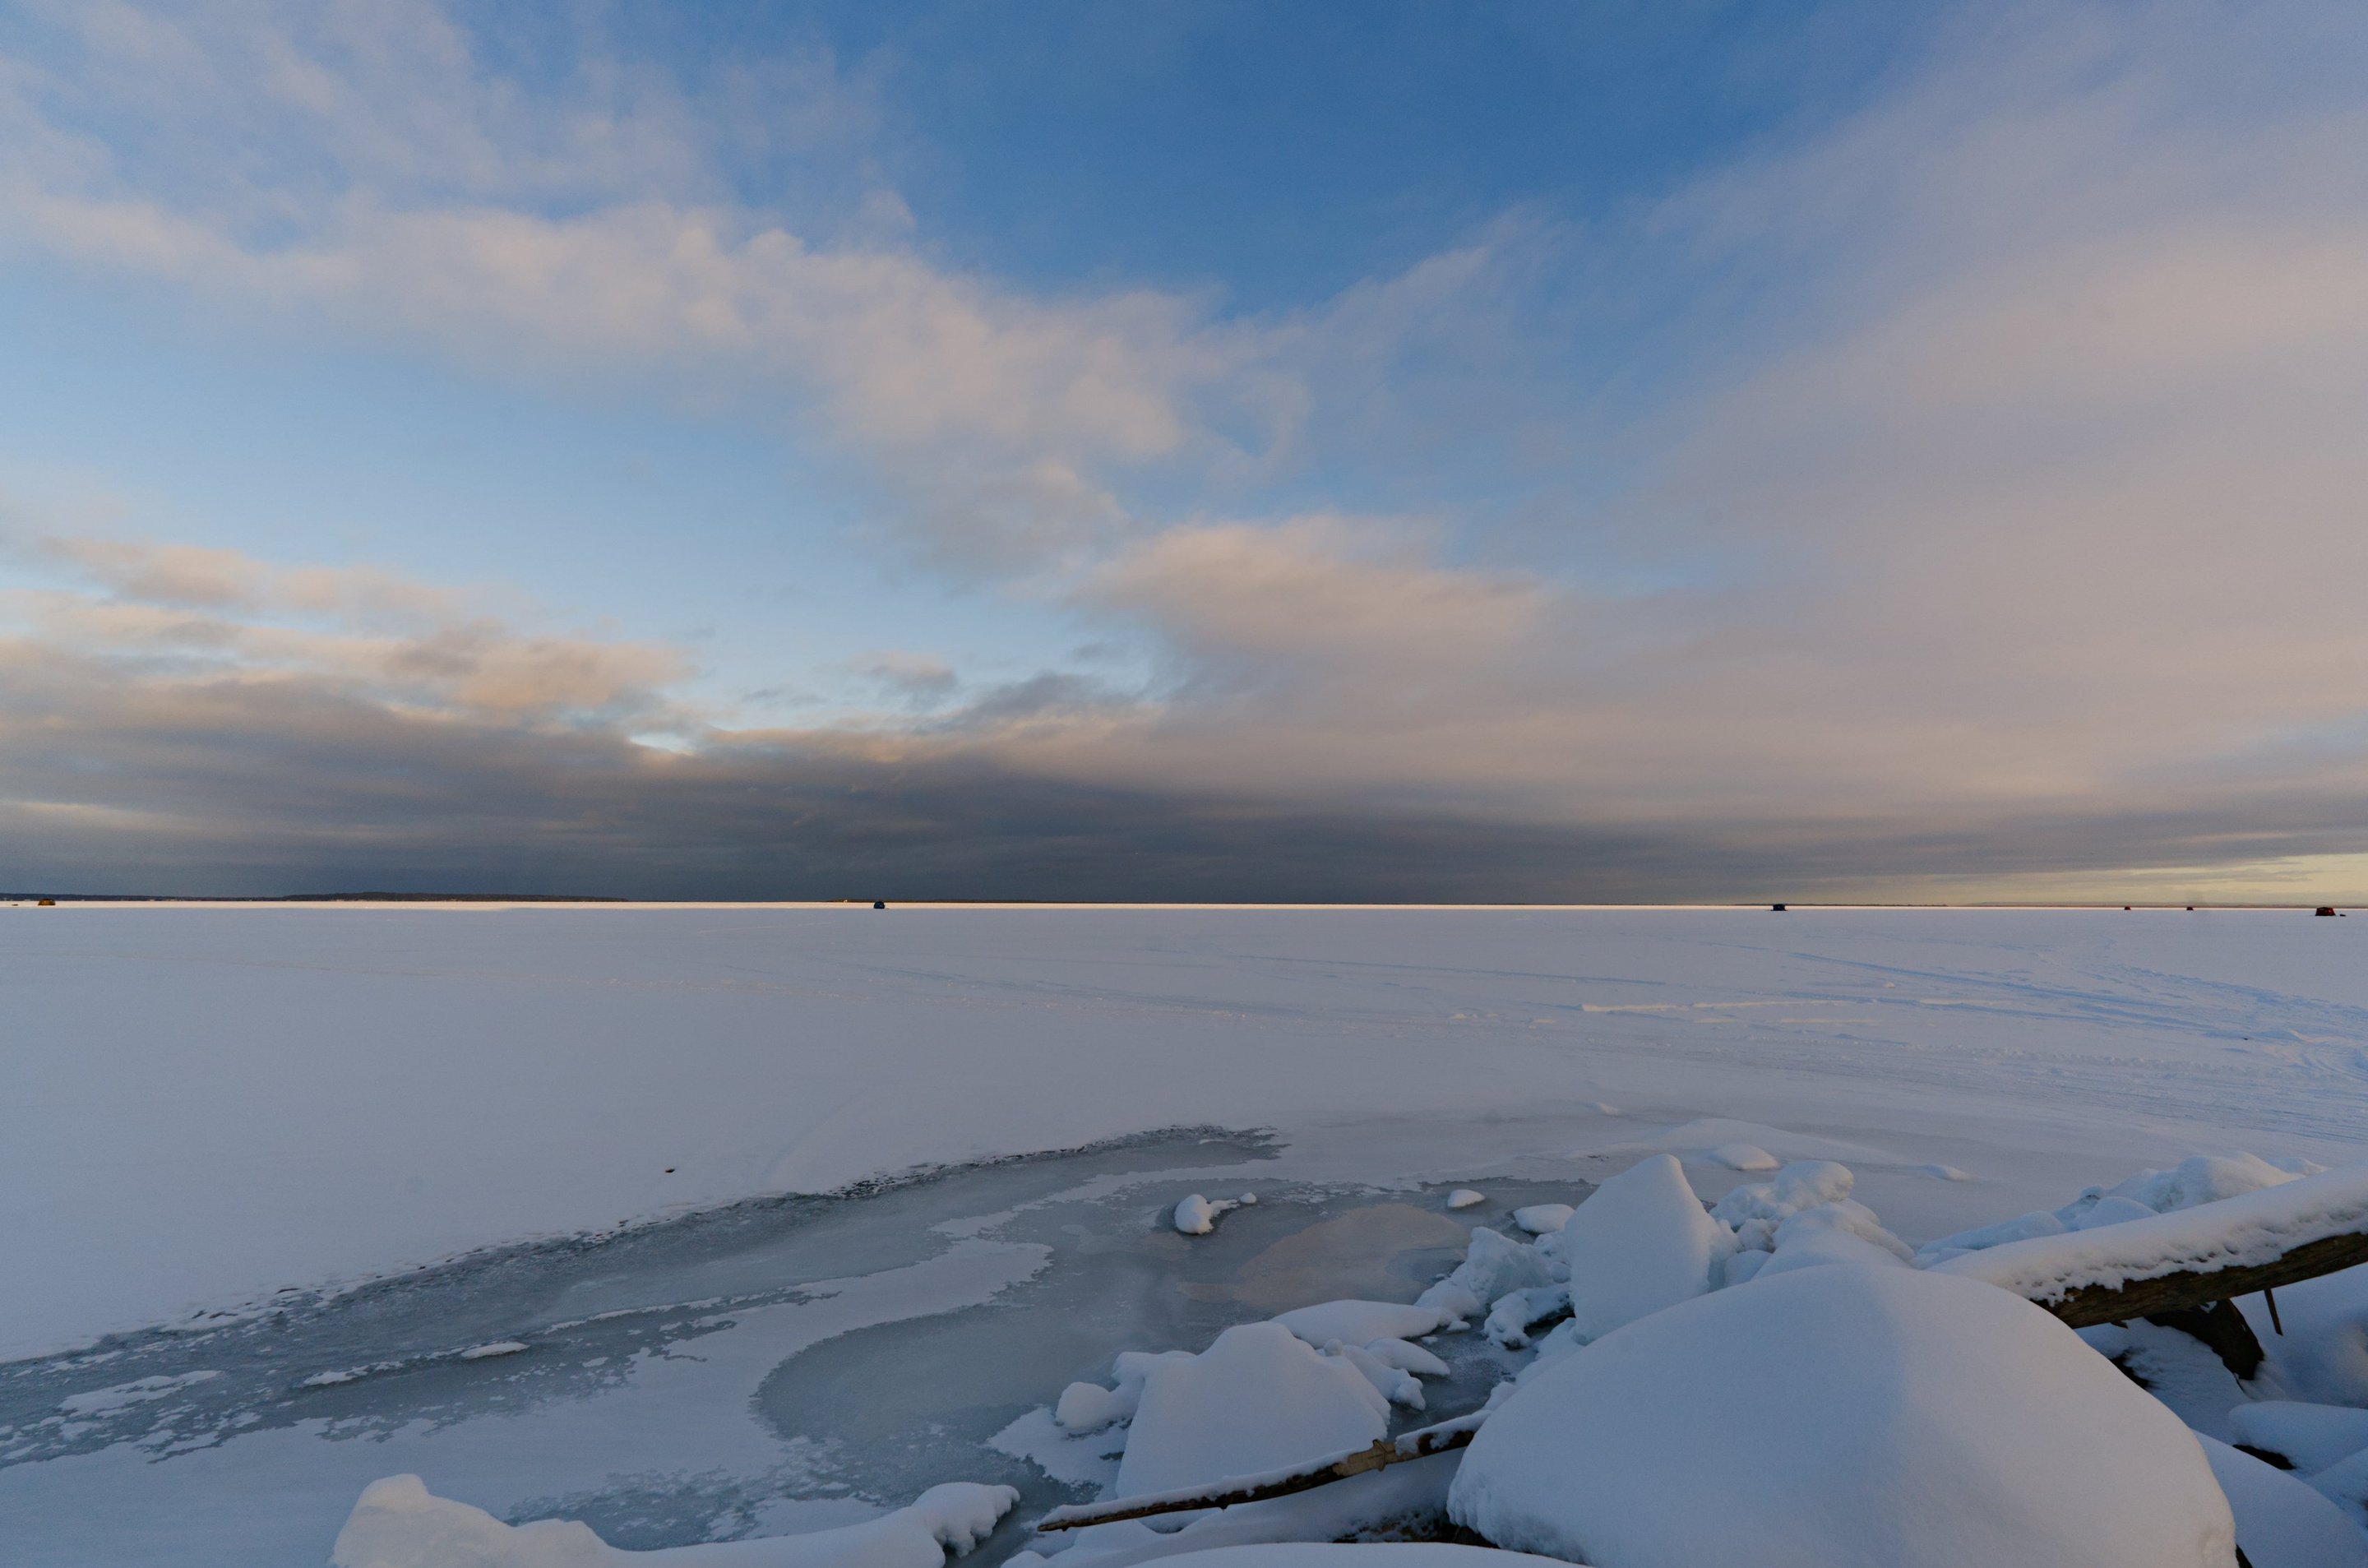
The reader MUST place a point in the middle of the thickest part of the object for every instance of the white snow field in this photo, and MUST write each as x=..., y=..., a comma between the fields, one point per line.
x=233, y=1138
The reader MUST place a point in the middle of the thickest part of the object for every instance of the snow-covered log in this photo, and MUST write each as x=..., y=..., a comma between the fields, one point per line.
x=2214, y=1252
x=1237, y=1489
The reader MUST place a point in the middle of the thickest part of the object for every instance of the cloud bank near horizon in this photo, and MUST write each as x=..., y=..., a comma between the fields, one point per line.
x=1986, y=519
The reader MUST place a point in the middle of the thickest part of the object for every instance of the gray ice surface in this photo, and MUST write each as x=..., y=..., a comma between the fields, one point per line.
x=781, y=1365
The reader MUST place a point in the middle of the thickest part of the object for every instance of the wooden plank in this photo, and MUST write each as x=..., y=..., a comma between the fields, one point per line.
x=2094, y=1304
x=1421, y=1444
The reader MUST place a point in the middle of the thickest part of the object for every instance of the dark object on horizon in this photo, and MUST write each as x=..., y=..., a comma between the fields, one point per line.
x=2326, y=909
x=879, y=904
x=2126, y=909
x=47, y=904
x=2191, y=909
x=1777, y=907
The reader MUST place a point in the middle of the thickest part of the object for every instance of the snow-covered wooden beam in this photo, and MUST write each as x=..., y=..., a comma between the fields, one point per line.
x=1237, y=1489
x=2214, y=1252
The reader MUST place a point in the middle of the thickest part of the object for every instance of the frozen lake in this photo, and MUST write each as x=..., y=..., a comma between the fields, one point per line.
x=298, y=1163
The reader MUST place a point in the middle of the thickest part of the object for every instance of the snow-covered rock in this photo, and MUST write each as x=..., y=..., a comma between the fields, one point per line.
x=1540, y=1218
x=1640, y=1242
x=1843, y=1418
x=1464, y=1198
x=1197, y=1216
x=2309, y=1436
x=1493, y=1265
x=398, y=1523
x=1259, y=1399
x=2280, y=1522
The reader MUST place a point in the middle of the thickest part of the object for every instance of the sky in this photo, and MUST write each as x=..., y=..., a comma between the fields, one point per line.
x=1317, y=450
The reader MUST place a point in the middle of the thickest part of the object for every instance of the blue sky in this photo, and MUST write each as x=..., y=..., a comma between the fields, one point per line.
x=1215, y=450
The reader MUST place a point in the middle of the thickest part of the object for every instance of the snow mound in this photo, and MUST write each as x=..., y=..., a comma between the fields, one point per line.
x=2281, y=1523
x=1640, y=1242
x=2310, y=1437
x=1539, y=1218
x=1259, y=1399
x=2345, y=1484
x=398, y=1523
x=1741, y=1157
x=1197, y=1216
x=2323, y=1354
x=1464, y=1198
x=1361, y=1323
x=2201, y=1178
x=1843, y=1418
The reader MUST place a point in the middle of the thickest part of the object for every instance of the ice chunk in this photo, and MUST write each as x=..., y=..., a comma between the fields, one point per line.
x=1509, y=1319
x=1640, y=1242
x=2280, y=1522
x=1816, y=1248
x=1494, y=1262
x=1259, y=1399
x=1197, y=1216
x=1089, y=1407
x=1803, y=1183
x=1359, y=1322
x=1741, y=1157
x=398, y=1523
x=1843, y=1418
x=2309, y=1436
x=1847, y=1215
x=1539, y=1218
x=1464, y=1198
x=1396, y=1386
x=2201, y=1178
x=2112, y=1210
x=1408, y=1357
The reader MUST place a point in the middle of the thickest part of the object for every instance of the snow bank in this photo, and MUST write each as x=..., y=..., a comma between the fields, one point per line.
x=398, y=1523
x=1258, y=1399
x=1843, y=1418
x=2309, y=1436
x=2281, y=1523
x=1640, y=1242
x=2200, y=1178
x=2252, y=1228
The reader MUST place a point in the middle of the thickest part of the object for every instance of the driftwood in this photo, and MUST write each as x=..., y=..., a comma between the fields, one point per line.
x=2198, y=1302
x=1419, y=1444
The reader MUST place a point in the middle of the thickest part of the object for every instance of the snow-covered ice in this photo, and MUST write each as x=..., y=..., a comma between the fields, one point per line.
x=244, y=1129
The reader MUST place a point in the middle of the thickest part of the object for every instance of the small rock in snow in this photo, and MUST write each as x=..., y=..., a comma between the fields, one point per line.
x=1464, y=1198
